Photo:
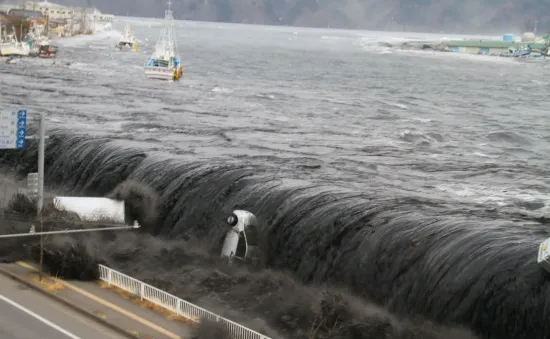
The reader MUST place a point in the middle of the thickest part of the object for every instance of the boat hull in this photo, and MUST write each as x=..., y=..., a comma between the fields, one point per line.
x=47, y=52
x=533, y=59
x=7, y=51
x=125, y=47
x=162, y=73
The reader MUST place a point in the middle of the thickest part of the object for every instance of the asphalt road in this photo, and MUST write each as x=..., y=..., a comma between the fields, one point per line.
x=27, y=314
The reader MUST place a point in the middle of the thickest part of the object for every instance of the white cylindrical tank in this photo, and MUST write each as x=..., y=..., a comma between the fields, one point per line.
x=528, y=37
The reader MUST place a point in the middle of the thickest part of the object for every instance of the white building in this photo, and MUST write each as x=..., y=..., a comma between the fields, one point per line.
x=67, y=20
x=59, y=12
x=54, y=11
x=76, y=20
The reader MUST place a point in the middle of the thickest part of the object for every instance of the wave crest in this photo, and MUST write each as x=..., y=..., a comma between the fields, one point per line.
x=417, y=256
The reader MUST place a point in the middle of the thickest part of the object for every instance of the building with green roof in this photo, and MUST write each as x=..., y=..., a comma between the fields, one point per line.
x=491, y=47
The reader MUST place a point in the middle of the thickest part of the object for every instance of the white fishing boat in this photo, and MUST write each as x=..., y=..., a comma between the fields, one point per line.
x=127, y=40
x=165, y=64
x=16, y=48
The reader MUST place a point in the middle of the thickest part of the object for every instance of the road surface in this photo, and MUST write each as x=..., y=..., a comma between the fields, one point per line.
x=26, y=314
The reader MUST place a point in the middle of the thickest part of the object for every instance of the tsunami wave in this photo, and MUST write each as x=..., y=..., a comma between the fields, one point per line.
x=414, y=256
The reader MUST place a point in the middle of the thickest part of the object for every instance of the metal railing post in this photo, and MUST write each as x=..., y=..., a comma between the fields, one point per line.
x=192, y=311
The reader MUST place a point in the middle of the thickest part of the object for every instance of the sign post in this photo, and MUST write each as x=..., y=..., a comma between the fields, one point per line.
x=13, y=129
x=13, y=133
x=40, y=200
x=41, y=150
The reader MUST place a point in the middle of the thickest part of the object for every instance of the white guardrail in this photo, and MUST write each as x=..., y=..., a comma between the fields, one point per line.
x=173, y=303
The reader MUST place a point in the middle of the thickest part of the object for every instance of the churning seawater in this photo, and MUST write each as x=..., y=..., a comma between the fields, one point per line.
x=422, y=140
x=318, y=105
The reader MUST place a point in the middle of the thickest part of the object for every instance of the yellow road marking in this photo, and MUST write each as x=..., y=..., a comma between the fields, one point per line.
x=108, y=304
x=100, y=314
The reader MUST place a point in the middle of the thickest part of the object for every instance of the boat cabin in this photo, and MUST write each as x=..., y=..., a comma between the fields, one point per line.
x=161, y=63
x=125, y=44
x=47, y=51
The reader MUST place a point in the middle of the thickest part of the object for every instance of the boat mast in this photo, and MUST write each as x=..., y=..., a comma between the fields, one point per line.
x=168, y=37
x=168, y=14
x=166, y=47
x=172, y=36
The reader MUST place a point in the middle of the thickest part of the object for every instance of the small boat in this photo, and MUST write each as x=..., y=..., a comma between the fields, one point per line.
x=47, y=51
x=127, y=40
x=15, y=48
x=165, y=64
x=520, y=52
x=529, y=54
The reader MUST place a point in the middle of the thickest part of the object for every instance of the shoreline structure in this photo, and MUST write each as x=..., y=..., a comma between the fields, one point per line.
x=60, y=21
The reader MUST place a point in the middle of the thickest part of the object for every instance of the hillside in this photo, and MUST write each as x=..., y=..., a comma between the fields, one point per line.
x=489, y=16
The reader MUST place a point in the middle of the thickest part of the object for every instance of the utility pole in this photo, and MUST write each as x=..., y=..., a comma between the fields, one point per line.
x=47, y=22
x=40, y=200
x=41, y=151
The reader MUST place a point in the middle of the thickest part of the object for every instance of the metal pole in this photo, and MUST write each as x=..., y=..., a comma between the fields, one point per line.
x=84, y=230
x=40, y=202
x=47, y=23
x=41, y=250
x=41, y=146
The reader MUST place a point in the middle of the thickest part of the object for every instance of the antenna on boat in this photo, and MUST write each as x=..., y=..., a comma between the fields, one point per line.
x=168, y=13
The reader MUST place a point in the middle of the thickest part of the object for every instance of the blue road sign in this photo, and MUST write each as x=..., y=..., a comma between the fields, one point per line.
x=13, y=129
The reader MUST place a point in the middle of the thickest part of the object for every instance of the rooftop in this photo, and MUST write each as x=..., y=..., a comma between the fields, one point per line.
x=46, y=4
x=492, y=43
x=26, y=13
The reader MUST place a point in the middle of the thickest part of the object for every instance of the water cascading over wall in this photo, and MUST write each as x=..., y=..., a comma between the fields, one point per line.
x=417, y=257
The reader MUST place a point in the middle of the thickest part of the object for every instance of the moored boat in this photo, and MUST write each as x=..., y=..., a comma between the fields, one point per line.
x=164, y=63
x=47, y=51
x=127, y=41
